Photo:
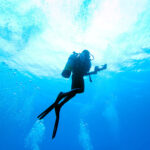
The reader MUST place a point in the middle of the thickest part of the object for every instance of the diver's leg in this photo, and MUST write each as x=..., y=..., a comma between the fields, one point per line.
x=73, y=91
x=76, y=87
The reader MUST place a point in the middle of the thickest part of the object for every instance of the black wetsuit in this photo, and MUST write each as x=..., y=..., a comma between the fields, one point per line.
x=79, y=70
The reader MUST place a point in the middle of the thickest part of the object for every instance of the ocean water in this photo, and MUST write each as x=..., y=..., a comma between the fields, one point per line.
x=36, y=39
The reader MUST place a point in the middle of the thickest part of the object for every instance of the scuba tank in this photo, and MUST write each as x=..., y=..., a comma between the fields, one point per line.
x=69, y=65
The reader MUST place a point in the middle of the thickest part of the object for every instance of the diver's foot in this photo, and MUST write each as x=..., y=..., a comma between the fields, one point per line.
x=59, y=97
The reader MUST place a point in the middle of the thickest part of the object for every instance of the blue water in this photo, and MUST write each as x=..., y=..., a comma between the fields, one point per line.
x=37, y=37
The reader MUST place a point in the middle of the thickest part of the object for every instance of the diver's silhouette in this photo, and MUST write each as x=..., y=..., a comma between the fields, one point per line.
x=79, y=64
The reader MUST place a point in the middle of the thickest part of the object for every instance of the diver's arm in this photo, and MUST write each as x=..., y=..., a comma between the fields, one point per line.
x=89, y=73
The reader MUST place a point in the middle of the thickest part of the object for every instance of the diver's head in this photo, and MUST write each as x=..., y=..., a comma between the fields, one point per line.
x=85, y=60
x=86, y=54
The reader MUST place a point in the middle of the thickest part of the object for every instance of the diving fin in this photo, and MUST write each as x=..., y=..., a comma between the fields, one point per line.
x=57, y=110
x=44, y=113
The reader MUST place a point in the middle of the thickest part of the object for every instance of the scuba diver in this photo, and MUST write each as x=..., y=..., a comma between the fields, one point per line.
x=79, y=65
